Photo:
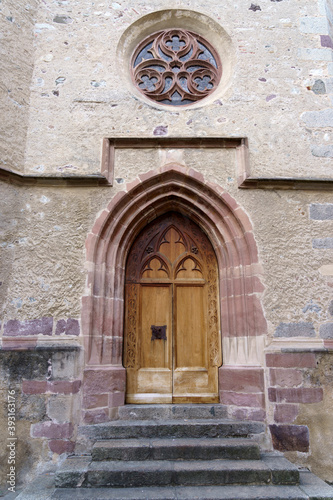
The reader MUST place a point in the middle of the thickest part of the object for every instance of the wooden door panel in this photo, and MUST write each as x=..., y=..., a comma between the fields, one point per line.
x=171, y=281
x=155, y=308
x=190, y=335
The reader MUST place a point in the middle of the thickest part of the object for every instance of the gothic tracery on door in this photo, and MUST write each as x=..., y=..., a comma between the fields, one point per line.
x=172, y=347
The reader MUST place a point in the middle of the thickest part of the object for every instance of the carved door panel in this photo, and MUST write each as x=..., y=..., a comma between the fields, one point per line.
x=172, y=342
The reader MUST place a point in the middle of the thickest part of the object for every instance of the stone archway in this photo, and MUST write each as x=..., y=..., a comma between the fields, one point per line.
x=179, y=189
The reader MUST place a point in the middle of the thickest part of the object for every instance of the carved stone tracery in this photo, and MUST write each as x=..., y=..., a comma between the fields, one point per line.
x=176, y=67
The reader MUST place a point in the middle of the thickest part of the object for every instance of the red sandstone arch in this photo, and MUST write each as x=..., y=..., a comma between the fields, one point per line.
x=228, y=227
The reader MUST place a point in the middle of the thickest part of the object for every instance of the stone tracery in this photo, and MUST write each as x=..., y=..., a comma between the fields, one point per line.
x=176, y=67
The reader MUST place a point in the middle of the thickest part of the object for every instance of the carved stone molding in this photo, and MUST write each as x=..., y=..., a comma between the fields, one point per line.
x=172, y=188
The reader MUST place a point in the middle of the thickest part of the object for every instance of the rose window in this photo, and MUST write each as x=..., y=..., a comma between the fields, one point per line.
x=176, y=67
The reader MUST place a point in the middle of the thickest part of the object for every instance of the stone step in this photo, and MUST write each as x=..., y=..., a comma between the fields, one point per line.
x=174, y=411
x=310, y=488
x=188, y=493
x=82, y=472
x=175, y=449
x=127, y=429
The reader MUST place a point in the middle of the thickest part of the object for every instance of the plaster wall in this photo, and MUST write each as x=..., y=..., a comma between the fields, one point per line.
x=17, y=21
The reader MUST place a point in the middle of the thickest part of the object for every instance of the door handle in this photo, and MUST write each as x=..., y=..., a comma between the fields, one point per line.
x=158, y=332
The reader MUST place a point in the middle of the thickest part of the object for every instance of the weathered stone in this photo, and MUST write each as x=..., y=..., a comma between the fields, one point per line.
x=51, y=430
x=61, y=446
x=295, y=330
x=34, y=386
x=290, y=437
x=291, y=360
x=64, y=386
x=323, y=151
x=326, y=331
x=319, y=87
x=187, y=473
x=32, y=408
x=323, y=243
x=242, y=399
x=285, y=377
x=304, y=395
x=160, y=130
x=313, y=25
x=285, y=413
x=62, y=19
x=326, y=41
x=95, y=381
x=41, y=326
x=241, y=379
x=173, y=428
x=330, y=308
x=254, y=7
x=67, y=327
x=60, y=408
x=315, y=54
x=172, y=449
x=319, y=211
x=317, y=119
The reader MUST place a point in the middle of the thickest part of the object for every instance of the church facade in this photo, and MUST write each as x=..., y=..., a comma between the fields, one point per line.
x=167, y=214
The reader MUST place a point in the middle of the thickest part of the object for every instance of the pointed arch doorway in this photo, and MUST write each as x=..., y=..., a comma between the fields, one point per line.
x=172, y=344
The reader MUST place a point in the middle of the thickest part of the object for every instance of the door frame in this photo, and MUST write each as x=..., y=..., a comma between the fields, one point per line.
x=171, y=188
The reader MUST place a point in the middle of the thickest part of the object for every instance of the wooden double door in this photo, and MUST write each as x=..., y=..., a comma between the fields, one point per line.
x=172, y=345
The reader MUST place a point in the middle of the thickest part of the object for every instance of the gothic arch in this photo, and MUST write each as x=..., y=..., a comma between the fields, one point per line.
x=173, y=188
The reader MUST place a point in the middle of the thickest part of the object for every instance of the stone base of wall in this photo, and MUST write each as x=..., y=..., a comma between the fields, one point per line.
x=242, y=389
x=300, y=394
x=103, y=392
x=41, y=400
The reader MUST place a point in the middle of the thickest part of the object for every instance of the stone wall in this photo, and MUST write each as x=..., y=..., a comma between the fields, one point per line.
x=17, y=22
x=43, y=384
x=66, y=87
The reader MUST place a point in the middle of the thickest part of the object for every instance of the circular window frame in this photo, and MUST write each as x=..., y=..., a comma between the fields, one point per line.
x=183, y=19
x=180, y=71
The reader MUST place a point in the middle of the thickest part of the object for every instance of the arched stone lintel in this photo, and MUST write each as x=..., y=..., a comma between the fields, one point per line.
x=172, y=187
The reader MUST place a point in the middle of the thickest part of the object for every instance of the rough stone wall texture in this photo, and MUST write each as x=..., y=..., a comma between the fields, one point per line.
x=300, y=395
x=17, y=20
x=64, y=88
x=44, y=385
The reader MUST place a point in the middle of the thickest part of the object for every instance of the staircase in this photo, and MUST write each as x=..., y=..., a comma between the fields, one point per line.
x=182, y=452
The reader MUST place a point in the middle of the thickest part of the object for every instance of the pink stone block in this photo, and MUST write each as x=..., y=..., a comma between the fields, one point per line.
x=239, y=399
x=305, y=395
x=96, y=416
x=16, y=328
x=34, y=386
x=68, y=327
x=64, y=386
x=115, y=200
x=255, y=414
x=285, y=377
x=99, y=380
x=116, y=399
x=60, y=446
x=291, y=360
x=100, y=222
x=95, y=401
x=244, y=220
x=241, y=379
x=285, y=414
x=91, y=244
x=51, y=430
x=290, y=437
